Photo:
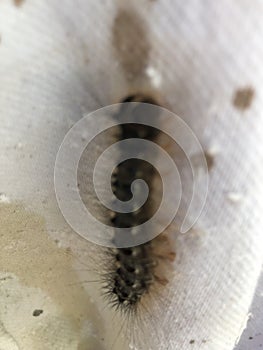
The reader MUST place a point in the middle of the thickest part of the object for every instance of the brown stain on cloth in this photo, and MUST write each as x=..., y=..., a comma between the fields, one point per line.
x=131, y=43
x=243, y=98
x=28, y=252
x=18, y=2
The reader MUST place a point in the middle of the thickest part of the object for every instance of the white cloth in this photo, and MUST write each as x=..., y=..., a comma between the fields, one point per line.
x=57, y=61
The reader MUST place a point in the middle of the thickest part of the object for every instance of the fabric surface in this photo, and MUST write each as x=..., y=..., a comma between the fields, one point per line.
x=60, y=60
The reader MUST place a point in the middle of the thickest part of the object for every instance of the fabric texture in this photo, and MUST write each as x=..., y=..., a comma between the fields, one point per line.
x=60, y=60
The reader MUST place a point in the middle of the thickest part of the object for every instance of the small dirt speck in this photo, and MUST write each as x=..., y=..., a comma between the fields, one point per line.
x=199, y=162
x=209, y=160
x=243, y=98
x=37, y=312
x=191, y=341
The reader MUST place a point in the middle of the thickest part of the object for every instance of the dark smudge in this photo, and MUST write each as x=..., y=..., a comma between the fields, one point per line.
x=130, y=42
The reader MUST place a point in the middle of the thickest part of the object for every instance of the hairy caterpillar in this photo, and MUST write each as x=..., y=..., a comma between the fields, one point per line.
x=128, y=145
x=131, y=277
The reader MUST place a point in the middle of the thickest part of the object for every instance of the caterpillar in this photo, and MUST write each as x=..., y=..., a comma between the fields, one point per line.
x=133, y=274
